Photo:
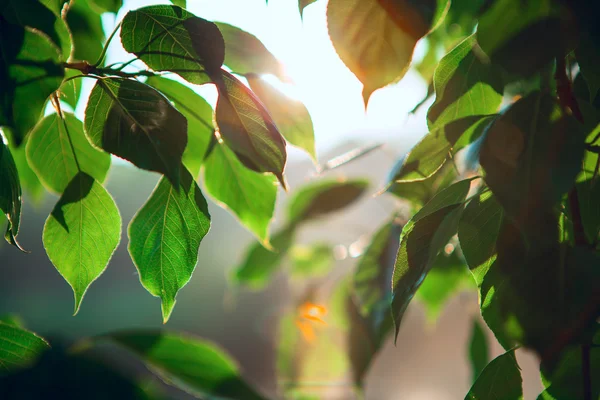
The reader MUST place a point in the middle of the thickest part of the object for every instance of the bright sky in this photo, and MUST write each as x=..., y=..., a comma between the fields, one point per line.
x=329, y=90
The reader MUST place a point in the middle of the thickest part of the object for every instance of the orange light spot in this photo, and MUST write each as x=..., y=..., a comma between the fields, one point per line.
x=308, y=315
x=307, y=330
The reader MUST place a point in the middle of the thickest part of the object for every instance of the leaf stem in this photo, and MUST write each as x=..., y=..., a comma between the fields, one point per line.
x=105, y=48
x=56, y=103
x=86, y=69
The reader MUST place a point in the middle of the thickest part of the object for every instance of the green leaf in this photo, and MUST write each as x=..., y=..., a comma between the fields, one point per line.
x=478, y=230
x=86, y=28
x=180, y=3
x=311, y=261
x=290, y=116
x=81, y=233
x=30, y=182
x=502, y=377
x=323, y=197
x=588, y=60
x=374, y=270
x=247, y=128
x=10, y=193
x=169, y=38
x=588, y=193
x=448, y=274
x=438, y=146
x=532, y=33
x=164, y=237
x=248, y=194
x=531, y=156
x=464, y=86
x=19, y=348
x=260, y=264
x=70, y=90
x=29, y=72
x=133, y=121
x=245, y=54
x=376, y=38
x=423, y=237
x=111, y=6
x=192, y=364
x=34, y=14
x=53, y=159
x=478, y=350
x=302, y=4
x=198, y=114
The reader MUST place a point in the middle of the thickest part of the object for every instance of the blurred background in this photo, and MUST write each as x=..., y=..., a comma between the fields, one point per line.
x=430, y=359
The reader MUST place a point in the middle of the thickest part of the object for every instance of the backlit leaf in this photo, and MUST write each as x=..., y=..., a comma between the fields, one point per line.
x=464, y=86
x=302, y=4
x=133, y=121
x=323, y=197
x=10, y=193
x=193, y=364
x=247, y=128
x=169, y=38
x=19, y=348
x=51, y=156
x=245, y=54
x=478, y=350
x=501, y=379
x=311, y=261
x=290, y=115
x=81, y=233
x=111, y=6
x=199, y=119
x=248, y=194
x=164, y=237
x=376, y=38
x=29, y=72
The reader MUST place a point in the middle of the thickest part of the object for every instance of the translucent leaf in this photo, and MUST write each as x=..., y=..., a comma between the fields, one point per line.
x=464, y=86
x=111, y=6
x=164, y=237
x=133, y=121
x=290, y=115
x=502, y=377
x=169, y=38
x=30, y=73
x=10, y=193
x=248, y=194
x=198, y=114
x=19, y=348
x=81, y=233
x=193, y=364
x=247, y=128
x=52, y=158
x=245, y=54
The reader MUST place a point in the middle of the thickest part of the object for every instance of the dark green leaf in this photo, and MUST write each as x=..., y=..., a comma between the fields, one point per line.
x=478, y=350
x=500, y=379
x=86, y=27
x=302, y=4
x=56, y=163
x=588, y=60
x=29, y=72
x=81, y=233
x=323, y=197
x=448, y=274
x=589, y=197
x=376, y=38
x=111, y=6
x=10, y=193
x=199, y=119
x=464, y=86
x=247, y=128
x=19, y=348
x=133, y=121
x=477, y=232
x=190, y=363
x=245, y=54
x=164, y=237
x=438, y=146
x=248, y=194
x=523, y=36
x=169, y=38
x=290, y=116
x=311, y=261
x=260, y=264
x=30, y=182
x=34, y=14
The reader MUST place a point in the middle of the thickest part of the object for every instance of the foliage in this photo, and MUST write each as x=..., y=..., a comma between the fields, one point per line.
x=503, y=185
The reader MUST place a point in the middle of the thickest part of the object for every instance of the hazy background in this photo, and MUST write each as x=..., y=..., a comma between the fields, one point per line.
x=429, y=362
